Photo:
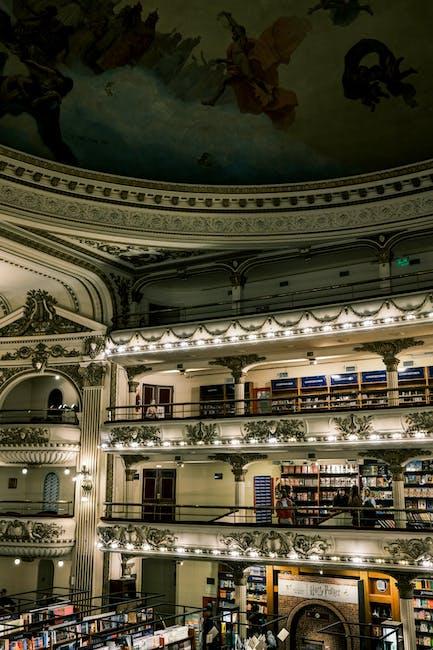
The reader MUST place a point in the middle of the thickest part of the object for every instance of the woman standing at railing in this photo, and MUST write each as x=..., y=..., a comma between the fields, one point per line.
x=355, y=504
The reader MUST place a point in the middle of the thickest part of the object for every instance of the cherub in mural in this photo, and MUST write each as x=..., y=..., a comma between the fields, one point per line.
x=36, y=36
x=252, y=68
x=343, y=12
x=368, y=83
x=40, y=95
x=125, y=40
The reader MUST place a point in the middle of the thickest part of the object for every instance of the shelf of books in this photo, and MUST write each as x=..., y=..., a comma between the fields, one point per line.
x=226, y=590
x=334, y=477
x=348, y=390
x=303, y=482
x=256, y=588
x=376, y=476
x=423, y=607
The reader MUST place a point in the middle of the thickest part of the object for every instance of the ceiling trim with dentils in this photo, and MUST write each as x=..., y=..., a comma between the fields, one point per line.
x=70, y=201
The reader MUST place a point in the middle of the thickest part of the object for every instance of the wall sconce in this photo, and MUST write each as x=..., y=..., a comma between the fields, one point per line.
x=86, y=483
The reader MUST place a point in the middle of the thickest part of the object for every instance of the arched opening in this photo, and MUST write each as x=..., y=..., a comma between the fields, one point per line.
x=55, y=399
x=51, y=493
x=306, y=621
x=46, y=397
x=45, y=577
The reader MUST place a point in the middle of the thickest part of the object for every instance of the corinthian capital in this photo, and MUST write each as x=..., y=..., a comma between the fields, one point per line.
x=93, y=374
x=388, y=350
x=237, y=364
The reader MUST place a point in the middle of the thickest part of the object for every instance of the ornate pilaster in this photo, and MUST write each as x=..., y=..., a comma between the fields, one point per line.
x=396, y=460
x=388, y=350
x=405, y=586
x=238, y=462
x=85, y=571
x=236, y=366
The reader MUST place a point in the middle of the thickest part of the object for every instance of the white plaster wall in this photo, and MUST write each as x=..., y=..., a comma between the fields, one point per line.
x=191, y=582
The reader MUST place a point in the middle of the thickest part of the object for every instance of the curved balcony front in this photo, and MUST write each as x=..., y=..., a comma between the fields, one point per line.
x=38, y=443
x=36, y=536
x=330, y=546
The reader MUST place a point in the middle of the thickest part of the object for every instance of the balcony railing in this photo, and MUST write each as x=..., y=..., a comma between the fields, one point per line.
x=324, y=295
x=307, y=403
x=295, y=517
x=30, y=508
x=38, y=416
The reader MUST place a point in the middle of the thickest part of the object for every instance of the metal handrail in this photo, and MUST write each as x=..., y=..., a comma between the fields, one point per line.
x=270, y=516
x=285, y=300
x=38, y=416
x=55, y=508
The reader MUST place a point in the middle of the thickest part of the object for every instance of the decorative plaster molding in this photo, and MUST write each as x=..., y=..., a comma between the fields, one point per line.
x=282, y=544
x=135, y=435
x=29, y=531
x=281, y=431
x=420, y=422
x=24, y=435
x=365, y=203
x=288, y=326
x=415, y=550
x=354, y=427
x=51, y=454
x=93, y=374
x=200, y=433
x=135, y=537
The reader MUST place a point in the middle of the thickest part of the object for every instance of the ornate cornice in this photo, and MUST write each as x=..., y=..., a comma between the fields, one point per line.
x=145, y=434
x=34, y=538
x=280, y=543
x=238, y=462
x=388, y=350
x=413, y=550
x=93, y=201
x=93, y=374
x=236, y=364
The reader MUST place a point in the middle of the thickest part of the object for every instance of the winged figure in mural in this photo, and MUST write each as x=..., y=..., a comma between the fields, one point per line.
x=343, y=12
x=252, y=68
x=39, y=94
x=369, y=83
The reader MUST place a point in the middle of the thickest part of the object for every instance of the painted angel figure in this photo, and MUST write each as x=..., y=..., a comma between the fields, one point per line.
x=252, y=68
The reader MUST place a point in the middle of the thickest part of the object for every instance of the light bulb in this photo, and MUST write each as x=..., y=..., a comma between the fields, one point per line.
x=66, y=471
x=24, y=470
x=17, y=561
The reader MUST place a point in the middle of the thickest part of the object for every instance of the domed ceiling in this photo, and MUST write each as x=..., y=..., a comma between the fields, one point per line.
x=221, y=92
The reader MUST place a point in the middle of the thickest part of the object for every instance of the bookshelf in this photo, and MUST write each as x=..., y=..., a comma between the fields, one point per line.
x=343, y=389
x=210, y=395
x=382, y=599
x=418, y=485
x=284, y=395
x=314, y=393
x=226, y=591
x=334, y=476
x=256, y=588
x=423, y=607
x=377, y=478
x=303, y=481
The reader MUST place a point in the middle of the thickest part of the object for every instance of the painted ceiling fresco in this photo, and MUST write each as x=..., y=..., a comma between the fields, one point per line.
x=221, y=91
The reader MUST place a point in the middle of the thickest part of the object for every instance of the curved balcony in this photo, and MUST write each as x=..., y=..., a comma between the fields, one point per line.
x=36, y=444
x=36, y=536
x=312, y=429
x=329, y=546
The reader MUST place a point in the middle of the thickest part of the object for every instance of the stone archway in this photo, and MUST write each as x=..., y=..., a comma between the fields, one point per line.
x=307, y=618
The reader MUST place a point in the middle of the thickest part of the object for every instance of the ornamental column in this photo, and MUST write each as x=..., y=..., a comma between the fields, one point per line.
x=85, y=570
x=237, y=280
x=134, y=413
x=236, y=365
x=388, y=350
x=240, y=582
x=405, y=586
x=396, y=459
x=238, y=464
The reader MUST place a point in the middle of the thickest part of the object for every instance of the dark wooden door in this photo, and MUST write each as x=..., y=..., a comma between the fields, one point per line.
x=159, y=494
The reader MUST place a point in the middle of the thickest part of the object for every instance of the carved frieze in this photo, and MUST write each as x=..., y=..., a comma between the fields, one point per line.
x=201, y=433
x=420, y=422
x=354, y=426
x=24, y=435
x=414, y=549
x=40, y=317
x=140, y=435
x=29, y=531
x=281, y=543
x=137, y=536
x=285, y=430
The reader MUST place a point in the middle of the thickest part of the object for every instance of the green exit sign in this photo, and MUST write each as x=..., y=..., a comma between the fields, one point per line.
x=402, y=261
